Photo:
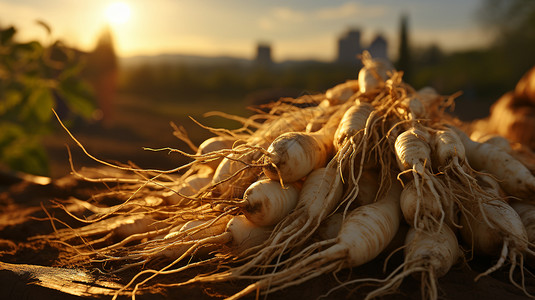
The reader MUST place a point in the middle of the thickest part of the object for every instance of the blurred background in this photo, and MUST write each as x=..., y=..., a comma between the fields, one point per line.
x=118, y=72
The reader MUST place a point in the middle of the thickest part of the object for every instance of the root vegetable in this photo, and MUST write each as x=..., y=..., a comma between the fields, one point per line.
x=450, y=159
x=352, y=123
x=330, y=227
x=449, y=150
x=496, y=230
x=330, y=200
x=237, y=229
x=321, y=120
x=365, y=233
x=412, y=108
x=526, y=211
x=429, y=97
x=266, y=202
x=351, y=141
x=191, y=186
x=512, y=175
x=295, y=120
x=373, y=74
x=319, y=196
x=342, y=92
x=422, y=104
x=427, y=254
x=369, y=186
x=230, y=180
x=423, y=211
x=239, y=234
x=496, y=140
x=413, y=154
x=235, y=173
x=293, y=155
x=213, y=145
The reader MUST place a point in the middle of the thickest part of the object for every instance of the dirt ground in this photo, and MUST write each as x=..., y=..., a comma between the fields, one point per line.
x=139, y=123
x=22, y=217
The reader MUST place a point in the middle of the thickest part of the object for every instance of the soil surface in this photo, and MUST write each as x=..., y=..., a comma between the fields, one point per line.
x=23, y=216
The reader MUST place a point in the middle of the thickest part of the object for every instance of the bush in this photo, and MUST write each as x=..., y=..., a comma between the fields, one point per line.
x=34, y=79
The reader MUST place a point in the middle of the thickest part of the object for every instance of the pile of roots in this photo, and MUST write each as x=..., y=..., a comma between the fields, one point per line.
x=312, y=185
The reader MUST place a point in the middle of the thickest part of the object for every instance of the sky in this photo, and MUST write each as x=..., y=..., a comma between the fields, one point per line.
x=295, y=29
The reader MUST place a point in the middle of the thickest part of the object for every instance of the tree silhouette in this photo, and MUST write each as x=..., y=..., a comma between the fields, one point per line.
x=102, y=70
x=103, y=58
x=404, y=59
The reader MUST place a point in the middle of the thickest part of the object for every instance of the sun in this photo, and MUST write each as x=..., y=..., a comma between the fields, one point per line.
x=118, y=12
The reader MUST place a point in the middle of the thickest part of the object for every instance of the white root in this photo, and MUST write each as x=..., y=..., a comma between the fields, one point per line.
x=189, y=188
x=214, y=144
x=413, y=154
x=427, y=254
x=294, y=155
x=267, y=202
x=526, y=211
x=342, y=92
x=501, y=233
x=319, y=196
x=239, y=234
x=511, y=174
x=365, y=233
x=373, y=74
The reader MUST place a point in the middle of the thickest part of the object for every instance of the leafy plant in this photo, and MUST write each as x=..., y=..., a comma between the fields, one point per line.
x=34, y=79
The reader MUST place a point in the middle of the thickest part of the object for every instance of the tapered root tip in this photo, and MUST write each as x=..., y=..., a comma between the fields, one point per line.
x=249, y=289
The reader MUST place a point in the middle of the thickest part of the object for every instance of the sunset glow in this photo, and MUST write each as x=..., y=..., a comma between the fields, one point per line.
x=118, y=12
x=296, y=30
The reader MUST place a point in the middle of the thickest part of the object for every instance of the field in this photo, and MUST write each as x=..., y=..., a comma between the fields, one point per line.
x=140, y=122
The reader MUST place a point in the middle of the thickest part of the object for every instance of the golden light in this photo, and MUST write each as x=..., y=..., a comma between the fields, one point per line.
x=118, y=12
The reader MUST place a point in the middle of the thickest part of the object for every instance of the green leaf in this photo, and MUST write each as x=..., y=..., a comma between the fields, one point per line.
x=33, y=77
x=34, y=159
x=26, y=154
x=40, y=104
x=79, y=96
x=10, y=99
x=9, y=133
x=71, y=71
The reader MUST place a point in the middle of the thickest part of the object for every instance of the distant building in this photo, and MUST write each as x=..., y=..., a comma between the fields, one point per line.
x=378, y=47
x=349, y=46
x=263, y=54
